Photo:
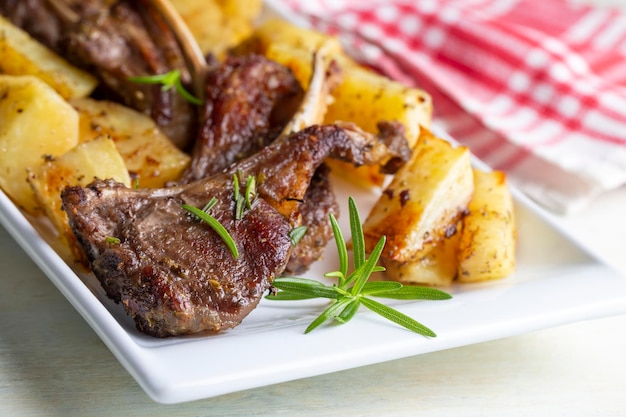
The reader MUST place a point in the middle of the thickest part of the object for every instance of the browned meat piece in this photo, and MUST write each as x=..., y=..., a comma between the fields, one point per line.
x=115, y=40
x=249, y=100
x=171, y=272
x=319, y=201
x=36, y=17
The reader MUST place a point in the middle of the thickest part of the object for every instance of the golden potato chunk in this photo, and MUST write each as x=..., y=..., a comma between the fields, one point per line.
x=245, y=9
x=20, y=54
x=218, y=25
x=37, y=124
x=426, y=197
x=98, y=158
x=148, y=154
x=488, y=241
x=438, y=267
x=365, y=98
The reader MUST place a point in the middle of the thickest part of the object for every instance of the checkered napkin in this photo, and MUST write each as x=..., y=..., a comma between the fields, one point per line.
x=534, y=88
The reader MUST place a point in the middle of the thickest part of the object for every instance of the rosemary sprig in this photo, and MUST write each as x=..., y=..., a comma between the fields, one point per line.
x=353, y=290
x=243, y=201
x=168, y=80
x=296, y=234
x=203, y=214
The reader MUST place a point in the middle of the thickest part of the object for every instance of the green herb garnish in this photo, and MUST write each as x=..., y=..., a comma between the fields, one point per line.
x=243, y=201
x=296, y=234
x=215, y=225
x=168, y=80
x=353, y=290
x=210, y=204
x=112, y=240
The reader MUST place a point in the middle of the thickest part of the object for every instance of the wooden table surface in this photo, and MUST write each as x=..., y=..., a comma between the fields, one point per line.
x=53, y=364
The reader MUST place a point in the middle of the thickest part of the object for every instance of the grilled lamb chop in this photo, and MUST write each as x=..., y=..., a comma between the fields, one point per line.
x=114, y=40
x=248, y=102
x=172, y=273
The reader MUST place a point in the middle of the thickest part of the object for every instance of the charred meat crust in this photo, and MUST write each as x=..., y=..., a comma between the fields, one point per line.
x=249, y=99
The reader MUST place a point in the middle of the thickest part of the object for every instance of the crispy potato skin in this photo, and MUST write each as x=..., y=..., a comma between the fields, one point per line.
x=426, y=198
x=219, y=25
x=148, y=154
x=438, y=267
x=488, y=241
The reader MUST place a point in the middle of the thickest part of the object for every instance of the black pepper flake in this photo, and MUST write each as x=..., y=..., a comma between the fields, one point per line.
x=405, y=196
x=450, y=231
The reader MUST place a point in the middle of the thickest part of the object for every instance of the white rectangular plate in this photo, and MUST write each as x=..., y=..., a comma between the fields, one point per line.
x=553, y=285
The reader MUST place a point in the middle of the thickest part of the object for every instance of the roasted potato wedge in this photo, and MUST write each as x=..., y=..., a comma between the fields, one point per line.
x=37, y=124
x=244, y=9
x=426, y=197
x=488, y=240
x=365, y=98
x=218, y=25
x=98, y=158
x=148, y=154
x=20, y=54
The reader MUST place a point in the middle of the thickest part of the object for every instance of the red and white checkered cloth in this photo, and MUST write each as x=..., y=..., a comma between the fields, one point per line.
x=534, y=88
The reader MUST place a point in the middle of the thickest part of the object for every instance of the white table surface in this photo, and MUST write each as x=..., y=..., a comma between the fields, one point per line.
x=53, y=364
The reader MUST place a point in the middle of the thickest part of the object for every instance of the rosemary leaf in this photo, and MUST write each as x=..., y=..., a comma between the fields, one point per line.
x=342, y=250
x=210, y=204
x=377, y=287
x=216, y=226
x=303, y=286
x=415, y=293
x=350, y=310
x=331, y=312
x=289, y=296
x=368, y=266
x=168, y=80
x=296, y=234
x=397, y=317
x=250, y=191
x=356, y=229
